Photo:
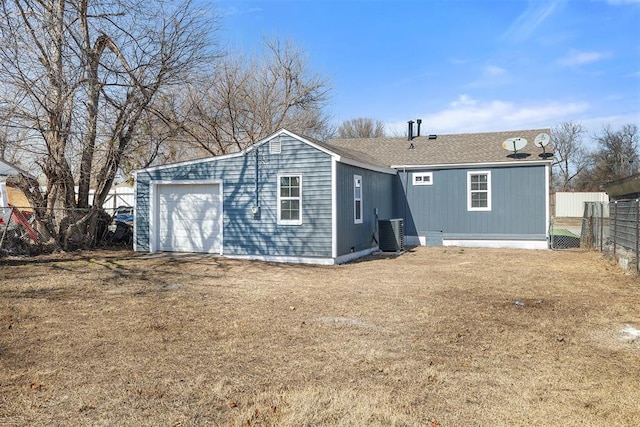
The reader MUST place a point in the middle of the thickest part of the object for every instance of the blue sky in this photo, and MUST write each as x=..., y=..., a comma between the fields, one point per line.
x=461, y=65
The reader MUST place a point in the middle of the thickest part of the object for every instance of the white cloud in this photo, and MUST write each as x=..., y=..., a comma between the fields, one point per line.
x=463, y=100
x=576, y=58
x=535, y=14
x=232, y=10
x=494, y=71
x=594, y=125
x=469, y=115
x=490, y=76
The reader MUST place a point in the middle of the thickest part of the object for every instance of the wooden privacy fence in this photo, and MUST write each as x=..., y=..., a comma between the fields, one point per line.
x=620, y=235
x=625, y=226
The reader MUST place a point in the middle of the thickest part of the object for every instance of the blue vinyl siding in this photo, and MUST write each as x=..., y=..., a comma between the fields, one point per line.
x=518, y=209
x=377, y=192
x=244, y=234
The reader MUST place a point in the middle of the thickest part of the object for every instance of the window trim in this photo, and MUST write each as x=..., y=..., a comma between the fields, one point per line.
x=281, y=221
x=357, y=199
x=423, y=175
x=470, y=192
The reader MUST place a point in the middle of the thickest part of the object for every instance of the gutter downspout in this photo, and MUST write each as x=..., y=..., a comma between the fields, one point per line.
x=256, y=203
x=406, y=193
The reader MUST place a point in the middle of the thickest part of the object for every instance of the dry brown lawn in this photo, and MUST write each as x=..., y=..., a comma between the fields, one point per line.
x=430, y=338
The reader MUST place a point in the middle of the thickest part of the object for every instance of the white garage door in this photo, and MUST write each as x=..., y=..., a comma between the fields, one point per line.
x=189, y=218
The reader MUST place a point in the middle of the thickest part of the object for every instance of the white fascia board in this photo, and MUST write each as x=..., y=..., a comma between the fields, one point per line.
x=367, y=166
x=474, y=165
x=263, y=141
x=190, y=162
x=244, y=152
x=288, y=133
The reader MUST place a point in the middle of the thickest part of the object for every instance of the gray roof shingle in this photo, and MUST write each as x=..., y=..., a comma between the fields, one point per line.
x=445, y=149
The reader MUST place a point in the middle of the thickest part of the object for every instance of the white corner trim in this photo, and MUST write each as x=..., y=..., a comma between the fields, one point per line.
x=334, y=208
x=135, y=209
x=547, y=178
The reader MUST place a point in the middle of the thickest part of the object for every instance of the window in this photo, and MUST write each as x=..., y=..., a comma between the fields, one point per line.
x=357, y=199
x=289, y=199
x=423, y=178
x=479, y=191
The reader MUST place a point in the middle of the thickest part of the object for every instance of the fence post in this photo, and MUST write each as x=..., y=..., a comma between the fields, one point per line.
x=601, y=224
x=6, y=227
x=637, y=235
x=615, y=226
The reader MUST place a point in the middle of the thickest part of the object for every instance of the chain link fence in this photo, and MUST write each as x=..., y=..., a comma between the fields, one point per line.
x=20, y=234
x=612, y=228
x=595, y=226
x=564, y=233
x=586, y=233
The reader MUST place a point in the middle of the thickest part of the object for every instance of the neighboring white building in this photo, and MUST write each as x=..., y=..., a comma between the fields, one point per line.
x=571, y=204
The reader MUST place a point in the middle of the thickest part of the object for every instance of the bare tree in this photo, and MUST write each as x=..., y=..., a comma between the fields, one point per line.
x=361, y=128
x=569, y=154
x=248, y=98
x=160, y=138
x=13, y=138
x=80, y=76
x=617, y=156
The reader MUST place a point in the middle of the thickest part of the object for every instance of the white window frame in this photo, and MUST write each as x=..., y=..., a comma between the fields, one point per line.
x=357, y=184
x=419, y=178
x=470, y=192
x=280, y=199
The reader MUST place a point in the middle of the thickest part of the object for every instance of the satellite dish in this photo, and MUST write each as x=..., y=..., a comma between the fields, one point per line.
x=514, y=144
x=541, y=140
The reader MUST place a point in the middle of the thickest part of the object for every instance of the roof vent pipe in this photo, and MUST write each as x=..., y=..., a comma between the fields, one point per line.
x=419, y=122
x=410, y=135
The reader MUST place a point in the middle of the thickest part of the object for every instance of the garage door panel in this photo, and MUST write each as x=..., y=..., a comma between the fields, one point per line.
x=189, y=218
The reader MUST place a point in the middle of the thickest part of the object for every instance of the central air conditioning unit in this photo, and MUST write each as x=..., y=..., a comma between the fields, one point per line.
x=391, y=234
